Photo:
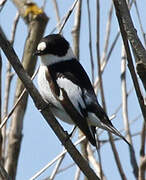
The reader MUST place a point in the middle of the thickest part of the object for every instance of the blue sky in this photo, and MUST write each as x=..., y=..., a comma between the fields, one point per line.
x=39, y=144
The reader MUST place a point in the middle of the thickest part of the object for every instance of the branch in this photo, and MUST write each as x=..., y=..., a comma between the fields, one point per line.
x=131, y=34
x=36, y=20
x=8, y=80
x=142, y=167
x=120, y=16
x=58, y=164
x=125, y=112
x=3, y=174
x=95, y=164
x=67, y=16
x=57, y=13
x=76, y=29
x=77, y=174
x=90, y=40
x=41, y=104
x=0, y=104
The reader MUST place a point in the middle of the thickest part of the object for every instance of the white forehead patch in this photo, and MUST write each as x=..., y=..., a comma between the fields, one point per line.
x=41, y=46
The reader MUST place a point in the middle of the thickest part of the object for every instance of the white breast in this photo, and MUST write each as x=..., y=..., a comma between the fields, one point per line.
x=47, y=95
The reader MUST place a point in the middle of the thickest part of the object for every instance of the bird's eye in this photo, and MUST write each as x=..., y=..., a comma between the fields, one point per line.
x=41, y=46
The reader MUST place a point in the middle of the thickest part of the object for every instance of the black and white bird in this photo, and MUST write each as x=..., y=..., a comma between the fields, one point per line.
x=66, y=87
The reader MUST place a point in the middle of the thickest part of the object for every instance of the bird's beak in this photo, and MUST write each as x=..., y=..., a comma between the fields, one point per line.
x=37, y=53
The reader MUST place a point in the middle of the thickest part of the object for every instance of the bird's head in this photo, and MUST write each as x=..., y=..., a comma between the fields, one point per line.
x=54, y=48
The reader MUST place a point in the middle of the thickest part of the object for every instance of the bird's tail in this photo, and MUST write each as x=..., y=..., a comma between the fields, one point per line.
x=113, y=130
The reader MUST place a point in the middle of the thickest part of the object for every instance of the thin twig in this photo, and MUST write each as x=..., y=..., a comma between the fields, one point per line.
x=124, y=95
x=1, y=140
x=125, y=112
x=54, y=160
x=9, y=76
x=142, y=167
x=67, y=16
x=129, y=56
x=76, y=29
x=0, y=85
x=116, y=156
x=90, y=40
x=92, y=159
x=77, y=174
x=56, y=12
x=76, y=143
x=52, y=176
x=118, y=163
x=16, y=103
x=94, y=163
x=107, y=34
x=105, y=61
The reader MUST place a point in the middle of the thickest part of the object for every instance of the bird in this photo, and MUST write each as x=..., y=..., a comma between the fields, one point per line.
x=65, y=86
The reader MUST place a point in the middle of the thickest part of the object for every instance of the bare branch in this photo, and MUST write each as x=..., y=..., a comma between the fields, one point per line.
x=107, y=35
x=67, y=16
x=125, y=112
x=16, y=103
x=3, y=174
x=0, y=104
x=52, y=176
x=9, y=76
x=106, y=55
x=56, y=12
x=129, y=56
x=76, y=29
x=130, y=33
x=0, y=84
x=95, y=164
x=117, y=159
x=90, y=41
x=105, y=61
x=142, y=167
x=77, y=174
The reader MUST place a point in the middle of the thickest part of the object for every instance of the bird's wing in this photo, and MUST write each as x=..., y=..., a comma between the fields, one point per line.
x=72, y=72
x=77, y=96
x=68, y=80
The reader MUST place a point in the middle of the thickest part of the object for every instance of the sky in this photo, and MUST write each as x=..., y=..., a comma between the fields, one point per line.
x=39, y=144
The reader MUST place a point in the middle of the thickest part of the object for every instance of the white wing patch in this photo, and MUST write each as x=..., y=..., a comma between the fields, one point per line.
x=73, y=91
